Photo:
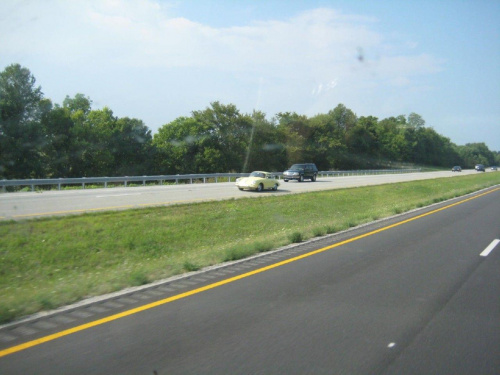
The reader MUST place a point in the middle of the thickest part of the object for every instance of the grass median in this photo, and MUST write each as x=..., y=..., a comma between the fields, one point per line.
x=51, y=262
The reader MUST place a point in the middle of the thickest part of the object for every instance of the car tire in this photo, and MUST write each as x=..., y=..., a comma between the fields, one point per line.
x=301, y=178
x=313, y=178
x=260, y=187
x=275, y=187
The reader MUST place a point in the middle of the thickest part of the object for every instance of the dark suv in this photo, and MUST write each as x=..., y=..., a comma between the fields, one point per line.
x=301, y=172
x=480, y=168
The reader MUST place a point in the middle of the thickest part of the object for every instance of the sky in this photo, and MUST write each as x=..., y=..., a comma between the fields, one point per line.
x=158, y=60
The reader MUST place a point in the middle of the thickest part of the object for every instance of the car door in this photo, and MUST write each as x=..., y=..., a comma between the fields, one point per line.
x=270, y=181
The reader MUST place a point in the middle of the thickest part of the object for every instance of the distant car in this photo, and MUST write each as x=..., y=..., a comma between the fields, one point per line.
x=480, y=168
x=456, y=168
x=494, y=168
x=301, y=172
x=258, y=181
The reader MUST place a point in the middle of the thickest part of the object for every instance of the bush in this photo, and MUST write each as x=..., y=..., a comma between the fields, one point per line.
x=190, y=267
x=295, y=237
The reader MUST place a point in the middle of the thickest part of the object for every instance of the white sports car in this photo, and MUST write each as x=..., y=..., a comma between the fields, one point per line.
x=258, y=181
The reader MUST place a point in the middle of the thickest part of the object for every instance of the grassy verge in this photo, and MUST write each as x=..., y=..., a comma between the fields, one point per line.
x=51, y=262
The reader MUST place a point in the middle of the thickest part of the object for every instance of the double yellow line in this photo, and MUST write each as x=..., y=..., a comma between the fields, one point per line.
x=148, y=306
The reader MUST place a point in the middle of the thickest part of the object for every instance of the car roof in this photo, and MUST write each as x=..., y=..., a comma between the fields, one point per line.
x=302, y=164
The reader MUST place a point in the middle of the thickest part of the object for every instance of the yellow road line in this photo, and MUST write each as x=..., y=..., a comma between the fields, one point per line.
x=148, y=306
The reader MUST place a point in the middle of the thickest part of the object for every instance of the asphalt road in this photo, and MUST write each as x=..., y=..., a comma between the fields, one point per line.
x=50, y=203
x=416, y=294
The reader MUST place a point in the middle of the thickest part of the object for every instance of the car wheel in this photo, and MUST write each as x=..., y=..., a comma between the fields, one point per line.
x=240, y=188
x=260, y=187
x=275, y=187
x=313, y=178
x=301, y=178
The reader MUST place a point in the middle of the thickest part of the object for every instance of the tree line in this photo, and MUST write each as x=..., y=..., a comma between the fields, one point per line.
x=40, y=139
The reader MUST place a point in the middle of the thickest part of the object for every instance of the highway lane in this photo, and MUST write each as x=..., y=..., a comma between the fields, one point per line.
x=50, y=203
x=408, y=295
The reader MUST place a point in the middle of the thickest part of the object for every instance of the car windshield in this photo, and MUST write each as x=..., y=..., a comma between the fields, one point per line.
x=258, y=174
x=297, y=167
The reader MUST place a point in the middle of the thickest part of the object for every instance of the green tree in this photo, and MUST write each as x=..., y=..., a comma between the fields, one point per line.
x=363, y=144
x=344, y=117
x=96, y=135
x=390, y=133
x=21, y=139
x=476, y=153
x=265, y=151
x=296, y=134
x=229, y=136
x=59, y=145
x=80, y=103
x=131, y=146
x=362, y=138
x=81, y=135
x=179, y=145
x=415, y=121
x=328, y=136
x=496, y=156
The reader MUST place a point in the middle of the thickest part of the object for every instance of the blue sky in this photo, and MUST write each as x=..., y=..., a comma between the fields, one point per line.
x=159, y=60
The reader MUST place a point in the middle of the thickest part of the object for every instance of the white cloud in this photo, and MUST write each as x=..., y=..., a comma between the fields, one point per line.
x=308, y=63
x=321, y=38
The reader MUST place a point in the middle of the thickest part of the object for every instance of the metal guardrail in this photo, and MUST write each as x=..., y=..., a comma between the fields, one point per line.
x=367, y=172
x=125, y=180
